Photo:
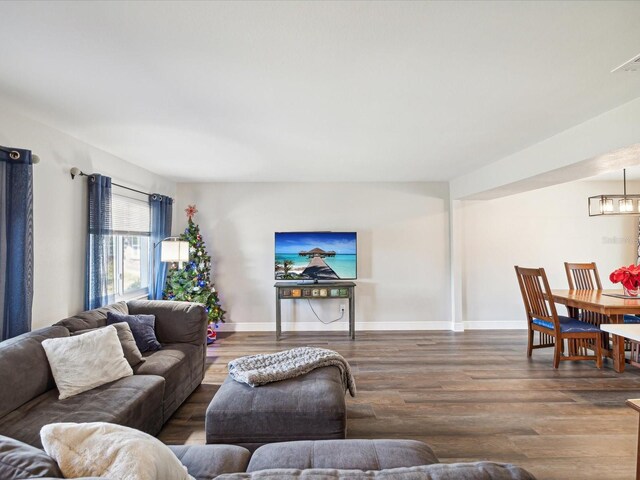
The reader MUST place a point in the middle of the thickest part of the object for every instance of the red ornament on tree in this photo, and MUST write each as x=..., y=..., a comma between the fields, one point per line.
x=191, y=210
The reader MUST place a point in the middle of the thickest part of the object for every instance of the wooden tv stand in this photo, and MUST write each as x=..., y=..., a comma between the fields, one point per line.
x=316, y=291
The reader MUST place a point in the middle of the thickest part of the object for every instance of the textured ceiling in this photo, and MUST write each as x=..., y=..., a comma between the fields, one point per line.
x=305, y=91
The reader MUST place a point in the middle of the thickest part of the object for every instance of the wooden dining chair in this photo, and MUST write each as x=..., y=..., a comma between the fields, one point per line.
x=583, y=276
x=554, y=329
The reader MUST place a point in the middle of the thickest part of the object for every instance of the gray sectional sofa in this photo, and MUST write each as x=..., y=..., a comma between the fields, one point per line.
x=145, y=401
x=317, y=460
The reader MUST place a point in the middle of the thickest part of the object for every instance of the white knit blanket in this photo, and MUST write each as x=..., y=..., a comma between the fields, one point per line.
x=256, y=370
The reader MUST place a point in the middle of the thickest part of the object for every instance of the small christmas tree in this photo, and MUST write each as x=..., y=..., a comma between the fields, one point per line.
x=192, y=283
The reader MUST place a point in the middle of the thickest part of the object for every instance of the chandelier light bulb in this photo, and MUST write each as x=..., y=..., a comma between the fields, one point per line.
x=606, y=205
x=626, y=205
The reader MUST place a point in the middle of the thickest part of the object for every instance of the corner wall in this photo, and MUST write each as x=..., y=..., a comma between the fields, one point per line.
x=59, y=208
x=403, y=271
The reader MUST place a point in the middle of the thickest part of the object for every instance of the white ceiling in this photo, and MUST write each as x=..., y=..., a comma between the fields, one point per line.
x=303, y=91
x=633, y=173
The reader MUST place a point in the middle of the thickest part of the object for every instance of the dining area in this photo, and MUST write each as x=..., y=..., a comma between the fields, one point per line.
x=600, y=323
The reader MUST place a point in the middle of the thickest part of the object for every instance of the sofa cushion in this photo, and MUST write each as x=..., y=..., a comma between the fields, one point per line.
x=24, y=369
x=205, y=462
x=112, y=451
x=309, y=407
x=86, y=361
x=176, y=322
x=95, y=318
x=142, y=327
x=19, y=460
x=179, y=364
x=132, y=401
x=343, y=454
x=437, y=471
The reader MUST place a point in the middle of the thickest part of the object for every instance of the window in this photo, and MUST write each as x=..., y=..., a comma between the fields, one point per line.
x=131, y=225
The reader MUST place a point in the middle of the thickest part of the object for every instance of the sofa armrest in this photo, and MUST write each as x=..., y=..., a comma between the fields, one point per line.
x=342, y=454
x=176, y=322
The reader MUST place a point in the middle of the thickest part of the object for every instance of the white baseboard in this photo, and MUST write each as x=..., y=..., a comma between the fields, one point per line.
x=370, y=326
x=496, y=325
x=332, y=327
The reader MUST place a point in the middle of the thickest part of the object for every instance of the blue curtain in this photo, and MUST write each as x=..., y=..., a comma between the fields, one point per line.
x=99, y=276
x=161, y=212
x=16, y=241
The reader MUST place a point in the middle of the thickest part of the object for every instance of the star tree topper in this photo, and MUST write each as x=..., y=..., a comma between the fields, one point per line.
x=191, y=210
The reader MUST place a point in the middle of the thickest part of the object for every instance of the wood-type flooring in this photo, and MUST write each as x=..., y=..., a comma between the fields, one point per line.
x=471, y=395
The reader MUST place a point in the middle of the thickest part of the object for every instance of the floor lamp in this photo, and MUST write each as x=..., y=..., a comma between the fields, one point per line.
x=172, y=249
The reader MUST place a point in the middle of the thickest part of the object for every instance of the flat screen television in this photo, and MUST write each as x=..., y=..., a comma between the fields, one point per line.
x=316, y=256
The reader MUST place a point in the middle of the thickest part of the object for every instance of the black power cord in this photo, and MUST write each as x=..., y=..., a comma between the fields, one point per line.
x=326, y=323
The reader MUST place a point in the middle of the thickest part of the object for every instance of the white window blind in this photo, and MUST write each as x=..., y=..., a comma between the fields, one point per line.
x=130, y=216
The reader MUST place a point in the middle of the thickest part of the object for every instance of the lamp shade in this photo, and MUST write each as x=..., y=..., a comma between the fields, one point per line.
x=174, y=251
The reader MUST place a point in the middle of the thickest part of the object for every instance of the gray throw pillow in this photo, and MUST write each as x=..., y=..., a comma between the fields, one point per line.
x=19, y=460
x=142, y=327
x=129, y=347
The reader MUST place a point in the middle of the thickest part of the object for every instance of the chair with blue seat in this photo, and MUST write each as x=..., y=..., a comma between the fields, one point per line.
x=585, y=276
x=554, y=329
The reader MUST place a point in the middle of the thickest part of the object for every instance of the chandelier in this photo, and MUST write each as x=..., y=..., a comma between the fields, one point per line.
x=615, y=204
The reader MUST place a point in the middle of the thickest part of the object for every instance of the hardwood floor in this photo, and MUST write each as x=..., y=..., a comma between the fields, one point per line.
x=472, y=395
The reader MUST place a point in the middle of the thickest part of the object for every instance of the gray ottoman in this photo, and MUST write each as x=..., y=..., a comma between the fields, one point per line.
x=309, y=407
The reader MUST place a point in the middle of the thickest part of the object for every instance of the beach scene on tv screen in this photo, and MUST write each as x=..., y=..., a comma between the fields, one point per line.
x=315, y=255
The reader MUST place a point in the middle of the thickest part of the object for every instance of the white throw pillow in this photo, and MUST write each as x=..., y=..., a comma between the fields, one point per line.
x=86, y=361
x=106, y=450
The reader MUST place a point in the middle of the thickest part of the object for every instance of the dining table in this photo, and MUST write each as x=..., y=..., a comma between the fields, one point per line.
x=607, y=302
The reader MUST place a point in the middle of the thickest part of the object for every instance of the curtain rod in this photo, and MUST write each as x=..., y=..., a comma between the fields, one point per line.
x=76, y=171
x=35, y=159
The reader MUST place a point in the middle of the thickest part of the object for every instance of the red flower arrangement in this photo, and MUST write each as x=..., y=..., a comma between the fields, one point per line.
x=629, y=277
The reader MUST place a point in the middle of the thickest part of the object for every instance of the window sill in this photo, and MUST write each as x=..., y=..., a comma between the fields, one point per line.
x=137, y=295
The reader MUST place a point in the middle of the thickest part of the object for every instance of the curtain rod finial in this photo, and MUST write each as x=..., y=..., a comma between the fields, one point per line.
x=75, y=171
x=35, y=159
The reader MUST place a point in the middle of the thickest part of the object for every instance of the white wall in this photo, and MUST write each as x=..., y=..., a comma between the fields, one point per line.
x=60, y=209
x=541, y=228
x=402, y=249
x=403, y=239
